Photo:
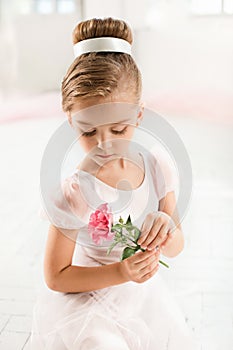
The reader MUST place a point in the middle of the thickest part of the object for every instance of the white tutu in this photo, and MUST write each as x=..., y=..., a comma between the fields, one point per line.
x=135, y=316
x=132, y=316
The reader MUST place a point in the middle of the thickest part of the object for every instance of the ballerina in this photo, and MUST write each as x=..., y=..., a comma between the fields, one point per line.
x=92, y=300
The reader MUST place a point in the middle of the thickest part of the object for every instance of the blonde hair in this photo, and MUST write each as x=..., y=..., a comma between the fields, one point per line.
x=100, y=74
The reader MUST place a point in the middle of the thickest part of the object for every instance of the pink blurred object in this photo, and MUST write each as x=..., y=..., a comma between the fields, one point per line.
x=20, y=107
x=211, y=105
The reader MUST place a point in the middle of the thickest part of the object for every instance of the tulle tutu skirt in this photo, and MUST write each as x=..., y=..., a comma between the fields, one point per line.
x=129, y=316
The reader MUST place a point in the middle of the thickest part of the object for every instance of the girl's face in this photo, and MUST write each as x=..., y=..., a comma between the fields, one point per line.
x=105, y=126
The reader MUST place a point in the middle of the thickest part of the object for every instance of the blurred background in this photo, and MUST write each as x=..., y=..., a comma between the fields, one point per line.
x=184, y=49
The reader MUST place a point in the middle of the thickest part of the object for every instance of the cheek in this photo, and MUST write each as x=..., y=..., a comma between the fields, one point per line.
x=86, y=144
x=130, y=132
x=126, y=138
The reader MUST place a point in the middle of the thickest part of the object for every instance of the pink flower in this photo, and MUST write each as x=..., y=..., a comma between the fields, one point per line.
x=100, y=223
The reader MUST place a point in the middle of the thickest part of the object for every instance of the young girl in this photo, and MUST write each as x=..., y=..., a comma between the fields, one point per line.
x=94, y=300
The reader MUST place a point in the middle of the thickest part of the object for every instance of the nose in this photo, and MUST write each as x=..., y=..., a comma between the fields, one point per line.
x=104, y=141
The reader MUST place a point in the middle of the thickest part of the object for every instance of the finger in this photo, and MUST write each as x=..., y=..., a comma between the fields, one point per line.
x=160, y=238
x=172, y=224
x=170, y=237
x=144, y=264
x=147, y=263
x=142, y=256
x=146, y=227
x=153, y=232
x=152, y=239
x=148, y=267
x=150, y=273
x=149, y=237
x=147, y=259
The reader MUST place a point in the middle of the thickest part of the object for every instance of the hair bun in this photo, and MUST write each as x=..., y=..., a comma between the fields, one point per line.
x=98, y=74
x=97, y=27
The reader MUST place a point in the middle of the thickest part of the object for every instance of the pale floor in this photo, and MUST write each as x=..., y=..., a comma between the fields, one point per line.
x=201, y=277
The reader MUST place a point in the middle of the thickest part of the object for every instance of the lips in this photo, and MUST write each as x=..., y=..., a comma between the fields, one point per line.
x=105, y=156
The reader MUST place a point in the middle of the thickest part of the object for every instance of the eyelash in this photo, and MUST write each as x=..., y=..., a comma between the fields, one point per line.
x=88, y=134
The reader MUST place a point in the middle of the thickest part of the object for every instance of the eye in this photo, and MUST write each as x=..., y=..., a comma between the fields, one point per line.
x=116, y=132
x=123, y=131
x=91, y=133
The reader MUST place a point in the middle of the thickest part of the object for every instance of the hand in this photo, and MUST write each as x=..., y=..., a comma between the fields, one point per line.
x=156, y=231
x=140, y=267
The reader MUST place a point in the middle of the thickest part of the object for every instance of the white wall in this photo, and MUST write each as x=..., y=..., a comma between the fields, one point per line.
x=103, y=8
x=42, y=49
x=195, y=53
x=133, y=11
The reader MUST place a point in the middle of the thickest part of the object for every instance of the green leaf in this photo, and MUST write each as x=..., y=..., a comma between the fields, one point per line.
x=128, y=221
x=116, y=226
x=127, y=252
x=136, y=233
x=117, y=232
x=128, y=227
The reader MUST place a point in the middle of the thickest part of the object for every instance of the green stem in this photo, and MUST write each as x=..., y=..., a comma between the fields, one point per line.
x=161, y=262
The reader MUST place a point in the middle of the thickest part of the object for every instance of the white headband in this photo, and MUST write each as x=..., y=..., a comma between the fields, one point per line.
x=102, y=44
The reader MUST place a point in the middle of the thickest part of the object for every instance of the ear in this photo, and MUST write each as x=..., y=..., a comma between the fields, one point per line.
x=69, y=118
x=140, y=114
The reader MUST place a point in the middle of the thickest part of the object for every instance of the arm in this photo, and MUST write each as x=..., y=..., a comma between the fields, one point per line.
x=176, y=244
x=61, y=276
